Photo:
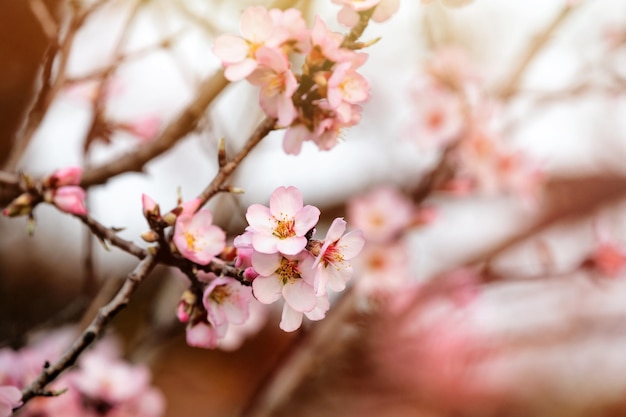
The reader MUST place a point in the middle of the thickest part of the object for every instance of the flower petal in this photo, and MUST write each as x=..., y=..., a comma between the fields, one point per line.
x=299, y=295
x=291, y=319
x=285, y=202
x=267, y=289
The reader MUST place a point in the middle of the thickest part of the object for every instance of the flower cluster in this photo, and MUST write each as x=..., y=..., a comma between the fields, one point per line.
x=283, y=259
x=102, y=385
x=326, y=96
x=224, y=302
x=450, y=109
x=59, y=188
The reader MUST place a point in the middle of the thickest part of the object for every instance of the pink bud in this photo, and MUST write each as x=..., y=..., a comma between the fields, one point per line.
x=70, y=199
x=64, y=176
x=149, y=205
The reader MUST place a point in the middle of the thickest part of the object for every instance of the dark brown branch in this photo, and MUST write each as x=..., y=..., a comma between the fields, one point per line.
x=93, y=331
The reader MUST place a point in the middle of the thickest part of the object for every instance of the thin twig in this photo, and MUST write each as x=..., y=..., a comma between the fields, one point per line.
x=93, y=331
x=262, y=130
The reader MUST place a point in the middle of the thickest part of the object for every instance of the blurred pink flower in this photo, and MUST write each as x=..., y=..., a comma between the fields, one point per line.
x=10, y=397
x=64, y=176
x=145, y=127
x=382, y=214
x=238, y=54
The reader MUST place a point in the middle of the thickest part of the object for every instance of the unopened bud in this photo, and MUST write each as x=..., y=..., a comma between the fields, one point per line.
x=170, y=218
x=150, y=236
x=21, y=206
x=152, y=250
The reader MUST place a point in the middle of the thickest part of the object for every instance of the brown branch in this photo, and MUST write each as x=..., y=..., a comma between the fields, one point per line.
x=511, y=85
x=106, y=234
x=262, y=130
x=93, y=331
x=184, y=124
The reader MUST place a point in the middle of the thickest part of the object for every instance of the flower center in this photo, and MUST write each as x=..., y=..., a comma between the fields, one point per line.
x=284, y=229
x=220, y=293
x=288, y=271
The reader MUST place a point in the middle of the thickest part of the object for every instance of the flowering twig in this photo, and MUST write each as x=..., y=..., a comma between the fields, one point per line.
x=93, y=331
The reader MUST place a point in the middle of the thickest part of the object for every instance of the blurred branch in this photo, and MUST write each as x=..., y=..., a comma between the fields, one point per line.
x=566, y=199
x=511, y=85
x=92, y=332
x=184, y=124
x=50, y=85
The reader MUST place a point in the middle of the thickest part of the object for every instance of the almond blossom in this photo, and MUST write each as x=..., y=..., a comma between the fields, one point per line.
x=281, y=227
x=381, y=214
x=331, y=266
x=238, y=54
x=226, y=301
x=289, y=277
x=197, y=238
x=204, y=335
x=345, y=84
x=277, y=84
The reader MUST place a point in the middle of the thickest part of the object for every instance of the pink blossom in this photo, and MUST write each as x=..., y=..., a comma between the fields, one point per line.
x=145, y=127
x=277, y=84
x=291, y=319
x=237, y=333
x=226, y=301
x=331, y=266
x=70, y=199
x=289, y=277
x=197, y=238
x=382, y=267
x=326, y=45
x=281, y=227
x=381, y=214
x=10, y=397
x=64, y=176
x=349, y=13
x=109, y=379
x=345, y=84
x=293, y=23
x=238, y=54
x=437, y=119
x=204, y=335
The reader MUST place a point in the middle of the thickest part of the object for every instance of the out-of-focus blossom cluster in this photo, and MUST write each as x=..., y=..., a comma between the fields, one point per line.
x=60, y=188
x=452, y=111
x=384, y=215
x=101, y=385
x=325, y=97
